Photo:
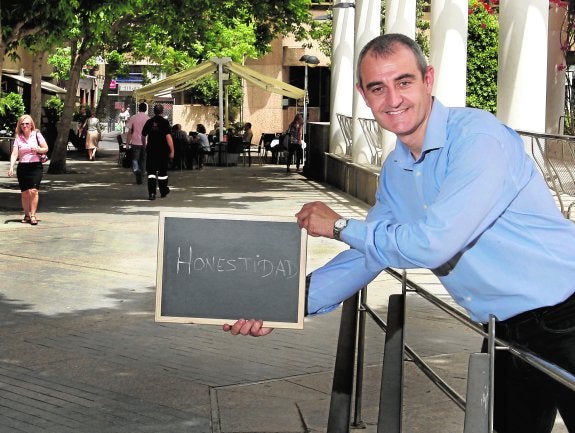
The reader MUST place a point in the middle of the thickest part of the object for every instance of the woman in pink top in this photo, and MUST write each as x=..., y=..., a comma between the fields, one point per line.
x=29, y=145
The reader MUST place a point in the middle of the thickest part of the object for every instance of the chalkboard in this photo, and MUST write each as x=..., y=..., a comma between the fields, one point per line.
x=215, y=269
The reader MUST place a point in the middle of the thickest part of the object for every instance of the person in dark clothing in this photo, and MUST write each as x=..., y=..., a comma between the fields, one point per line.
x=295, y=133
x=159, y=152
x=181, y=144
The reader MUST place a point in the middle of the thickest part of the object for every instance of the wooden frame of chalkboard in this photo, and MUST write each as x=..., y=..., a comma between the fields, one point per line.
x=218, y=268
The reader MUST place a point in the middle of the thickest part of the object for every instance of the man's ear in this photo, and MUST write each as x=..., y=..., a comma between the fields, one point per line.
x=429, y=78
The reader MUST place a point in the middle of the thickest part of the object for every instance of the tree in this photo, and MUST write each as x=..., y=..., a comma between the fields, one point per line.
x=16, y=22
x=94, y=23
x=34, y=28
x=145, y=24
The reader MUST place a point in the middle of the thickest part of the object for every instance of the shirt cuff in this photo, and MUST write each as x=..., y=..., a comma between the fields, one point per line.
x=354, y=234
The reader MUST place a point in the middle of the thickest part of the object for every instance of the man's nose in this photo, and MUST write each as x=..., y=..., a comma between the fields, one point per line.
x=394, y=97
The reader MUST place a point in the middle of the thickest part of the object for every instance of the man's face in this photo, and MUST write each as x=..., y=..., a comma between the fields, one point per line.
x=397, y=94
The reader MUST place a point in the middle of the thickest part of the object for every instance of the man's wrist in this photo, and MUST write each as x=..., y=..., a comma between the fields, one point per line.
x=338, y=227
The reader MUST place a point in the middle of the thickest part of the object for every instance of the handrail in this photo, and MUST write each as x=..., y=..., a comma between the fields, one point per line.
x=340, y=420
x=539, y=363
x=545, y=135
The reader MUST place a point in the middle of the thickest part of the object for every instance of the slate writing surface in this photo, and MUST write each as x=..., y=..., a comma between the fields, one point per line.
x=216, y=269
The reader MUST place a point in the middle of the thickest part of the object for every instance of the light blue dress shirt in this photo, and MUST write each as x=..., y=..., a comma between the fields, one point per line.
x=473, y=208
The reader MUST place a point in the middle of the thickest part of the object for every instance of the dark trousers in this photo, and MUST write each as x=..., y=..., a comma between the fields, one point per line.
x=157, y=168
x=527, y=400
x=295, y=148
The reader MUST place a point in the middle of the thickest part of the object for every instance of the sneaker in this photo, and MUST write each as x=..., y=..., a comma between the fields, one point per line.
x=165, y=194
x=152, y=197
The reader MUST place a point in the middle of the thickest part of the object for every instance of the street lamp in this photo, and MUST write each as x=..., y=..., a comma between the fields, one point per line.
x=308, y=61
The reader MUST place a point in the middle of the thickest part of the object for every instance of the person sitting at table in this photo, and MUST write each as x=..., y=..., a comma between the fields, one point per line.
x=203, y=144
x=248, y=135
x=180, y=139
x=215, y=133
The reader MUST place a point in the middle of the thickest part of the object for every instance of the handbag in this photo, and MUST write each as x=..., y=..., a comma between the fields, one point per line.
x=43, y=158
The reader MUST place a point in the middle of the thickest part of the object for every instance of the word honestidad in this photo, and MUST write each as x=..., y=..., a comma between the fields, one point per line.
x=263, y=267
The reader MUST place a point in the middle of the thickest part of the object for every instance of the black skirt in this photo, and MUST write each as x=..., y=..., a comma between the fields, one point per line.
x=29, y=175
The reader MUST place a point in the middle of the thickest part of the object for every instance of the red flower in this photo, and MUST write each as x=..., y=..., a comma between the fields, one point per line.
x=483, y=25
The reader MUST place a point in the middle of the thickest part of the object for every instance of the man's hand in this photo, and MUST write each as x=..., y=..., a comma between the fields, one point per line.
x=317, y=218
x=247, y=327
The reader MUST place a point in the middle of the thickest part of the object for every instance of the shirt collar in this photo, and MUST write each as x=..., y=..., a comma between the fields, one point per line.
x=435, y=136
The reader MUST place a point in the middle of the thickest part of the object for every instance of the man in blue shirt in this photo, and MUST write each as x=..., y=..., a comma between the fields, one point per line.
x=459, y=195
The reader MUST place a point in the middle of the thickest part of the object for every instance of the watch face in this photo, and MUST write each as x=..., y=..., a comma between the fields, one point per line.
x=340, y=224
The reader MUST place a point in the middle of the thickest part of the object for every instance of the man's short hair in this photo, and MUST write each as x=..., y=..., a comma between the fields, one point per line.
x=384, y=45
x=143, y=107
x=158, y=109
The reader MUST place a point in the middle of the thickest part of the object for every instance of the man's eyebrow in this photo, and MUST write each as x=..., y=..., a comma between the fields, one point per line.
x=404, y=76
x=396, y=79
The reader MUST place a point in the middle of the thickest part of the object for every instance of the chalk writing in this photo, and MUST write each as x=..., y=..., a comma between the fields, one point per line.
x=262, y=267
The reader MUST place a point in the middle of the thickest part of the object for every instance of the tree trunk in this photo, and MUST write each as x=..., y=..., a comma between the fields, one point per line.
x=36, y=88
x=58, y=160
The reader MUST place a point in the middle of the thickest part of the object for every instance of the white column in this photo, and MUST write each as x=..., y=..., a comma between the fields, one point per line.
x=555, y=71
x=342, y=84
x=400, y=17
x=522, y=72
x=448, y=50
x=367, y=27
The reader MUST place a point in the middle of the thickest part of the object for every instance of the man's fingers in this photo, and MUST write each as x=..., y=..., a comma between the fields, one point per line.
x=247, y=327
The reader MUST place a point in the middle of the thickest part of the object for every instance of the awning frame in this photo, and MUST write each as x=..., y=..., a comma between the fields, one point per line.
x=49, y=87
x=185, y=79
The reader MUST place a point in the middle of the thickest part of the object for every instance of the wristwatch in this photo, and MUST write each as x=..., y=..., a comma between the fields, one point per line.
x=338, y=226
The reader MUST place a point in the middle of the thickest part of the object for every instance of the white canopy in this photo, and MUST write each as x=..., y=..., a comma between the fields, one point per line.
x=186, y=79
x=48, y=87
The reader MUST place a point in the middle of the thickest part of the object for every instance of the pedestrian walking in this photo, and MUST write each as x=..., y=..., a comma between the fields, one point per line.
x=159, y=152
x=29, y=148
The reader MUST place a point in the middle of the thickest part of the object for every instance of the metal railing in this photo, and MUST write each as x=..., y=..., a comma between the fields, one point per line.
x=374, y=137
x=372, y=132
x=351, y=344
x=555, y=158
x=345, y=123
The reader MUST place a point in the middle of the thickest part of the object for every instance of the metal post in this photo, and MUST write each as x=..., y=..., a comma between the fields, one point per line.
x=491, y=351
x=391, y=394
x=342, y=386
x=357, y=421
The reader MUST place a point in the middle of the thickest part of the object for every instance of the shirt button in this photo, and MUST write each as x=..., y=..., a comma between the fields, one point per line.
x=424, y=206
x=418, y=173
x=468, y=299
